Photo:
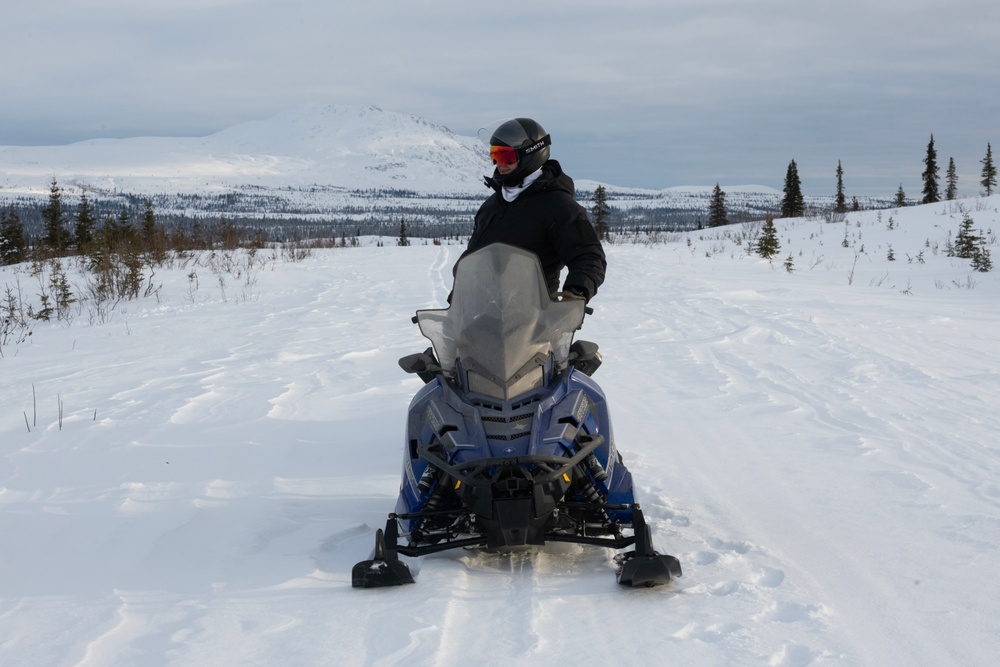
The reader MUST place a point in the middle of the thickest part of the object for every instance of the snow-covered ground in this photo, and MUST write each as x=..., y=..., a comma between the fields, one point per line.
x=189, y=480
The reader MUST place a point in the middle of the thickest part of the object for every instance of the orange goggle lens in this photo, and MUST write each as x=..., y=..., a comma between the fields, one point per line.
x=503, y=155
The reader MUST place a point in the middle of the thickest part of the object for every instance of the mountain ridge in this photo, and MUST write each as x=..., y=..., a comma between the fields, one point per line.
x=322, y=162
x=333, y=145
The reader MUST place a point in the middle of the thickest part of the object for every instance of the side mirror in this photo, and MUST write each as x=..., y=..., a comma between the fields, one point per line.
x=424, y=365
x=583, y=349
x=583, y=355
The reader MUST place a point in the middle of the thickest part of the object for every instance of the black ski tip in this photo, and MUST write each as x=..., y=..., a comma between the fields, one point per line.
x=648, y=571
x=380, y=573
x=385, y=569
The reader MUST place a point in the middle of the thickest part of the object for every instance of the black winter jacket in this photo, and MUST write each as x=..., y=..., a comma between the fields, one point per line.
x=546, y=220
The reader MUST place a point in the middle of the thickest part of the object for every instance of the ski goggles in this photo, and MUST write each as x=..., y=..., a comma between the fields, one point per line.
x=508, y=155
x=503, y=155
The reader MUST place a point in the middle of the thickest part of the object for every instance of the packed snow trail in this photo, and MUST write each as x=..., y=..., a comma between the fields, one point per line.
x=820, y=455
x=824, y=449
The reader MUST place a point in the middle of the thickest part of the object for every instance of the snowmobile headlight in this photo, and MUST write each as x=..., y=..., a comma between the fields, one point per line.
x=533, y=379
x=482, y=385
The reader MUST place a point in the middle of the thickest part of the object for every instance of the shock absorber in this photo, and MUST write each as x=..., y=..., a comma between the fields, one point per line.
x=595, y=468
x=592, y=495
x=590, y=462
x=437, y=495
x=435, y=482
x=426, y=481
x=592, y=465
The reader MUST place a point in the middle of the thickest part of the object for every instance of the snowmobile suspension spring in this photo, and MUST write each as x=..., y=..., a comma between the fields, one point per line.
x=437, y=496
x=595, y=468
x=593, y=496
x=427, y=479
x=589, y=492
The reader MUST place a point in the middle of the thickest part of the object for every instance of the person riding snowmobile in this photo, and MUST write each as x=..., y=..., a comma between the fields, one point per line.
x=532, y=207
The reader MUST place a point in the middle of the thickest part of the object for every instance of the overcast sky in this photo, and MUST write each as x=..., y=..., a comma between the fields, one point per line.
x=651, y=93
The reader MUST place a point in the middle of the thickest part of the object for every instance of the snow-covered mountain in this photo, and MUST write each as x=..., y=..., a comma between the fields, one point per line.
x=343, y=147
x=319, y=162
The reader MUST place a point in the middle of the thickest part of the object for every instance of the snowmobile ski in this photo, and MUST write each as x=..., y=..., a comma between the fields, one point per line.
x=385, y=568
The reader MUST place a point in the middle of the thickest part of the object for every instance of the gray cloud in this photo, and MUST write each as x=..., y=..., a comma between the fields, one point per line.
x=639, y=93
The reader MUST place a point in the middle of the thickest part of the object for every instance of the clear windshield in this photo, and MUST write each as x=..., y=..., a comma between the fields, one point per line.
x=501, y=314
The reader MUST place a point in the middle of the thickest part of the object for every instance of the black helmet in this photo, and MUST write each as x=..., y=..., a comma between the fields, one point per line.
x=530, y=144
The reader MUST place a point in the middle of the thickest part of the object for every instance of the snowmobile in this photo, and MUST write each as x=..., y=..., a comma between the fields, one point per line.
x=509, y=442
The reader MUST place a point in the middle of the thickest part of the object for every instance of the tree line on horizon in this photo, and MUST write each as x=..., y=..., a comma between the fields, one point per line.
x=133, y=237
x=126, y=237
x=793, y=201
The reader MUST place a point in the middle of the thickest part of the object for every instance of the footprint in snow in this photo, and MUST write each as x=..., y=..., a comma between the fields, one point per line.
x=741, y=547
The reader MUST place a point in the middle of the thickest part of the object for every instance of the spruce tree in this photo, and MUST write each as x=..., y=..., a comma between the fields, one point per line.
x=13, y=247
x=54, y=235
x=148, y=229
x=900, y=196
x=717, y=215
x=125, y=230
x=402, y=240
x=967, y=241
x=792, y=204
x=981, y=260
x=83, y=229
x=930, y=175
x=601, y=211
x=952, y=190
x=768, y=245
x=989, y=172
x=841, y=206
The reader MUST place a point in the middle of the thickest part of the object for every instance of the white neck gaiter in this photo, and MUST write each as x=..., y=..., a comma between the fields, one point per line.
x=512, y=193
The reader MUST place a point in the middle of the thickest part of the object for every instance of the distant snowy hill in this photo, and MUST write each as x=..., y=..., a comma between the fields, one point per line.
x=316, y=163
x=346, y=147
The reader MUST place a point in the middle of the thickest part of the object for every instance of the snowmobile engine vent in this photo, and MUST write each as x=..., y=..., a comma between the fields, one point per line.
x=514, y=427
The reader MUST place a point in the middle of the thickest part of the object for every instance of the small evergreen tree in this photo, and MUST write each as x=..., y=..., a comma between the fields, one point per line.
x=792, y=204
x=930, y=175
x=402, y=240
x=83, y=229
x=967, y=241
x=154, y=237
x=841, y=206
x=981, y=259
x=717, y=215
x=125, y=231
x=900, y=197
x=13, y=247
x=969, y=245
x=109, y=233
x=952, y=177
x=855, y=204
x=767, y=244
x=601, y=211
x=989, y=172
x=148, y=228
x=54, y=235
